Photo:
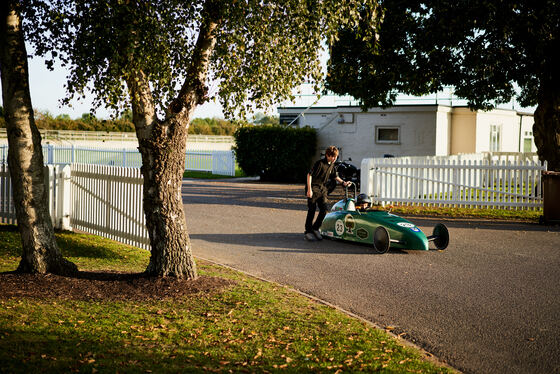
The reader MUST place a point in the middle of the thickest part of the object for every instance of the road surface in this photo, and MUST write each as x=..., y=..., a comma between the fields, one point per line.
x=490, y=303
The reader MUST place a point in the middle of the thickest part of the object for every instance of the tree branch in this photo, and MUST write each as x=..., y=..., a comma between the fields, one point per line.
x=143, y=109
x=194, y=90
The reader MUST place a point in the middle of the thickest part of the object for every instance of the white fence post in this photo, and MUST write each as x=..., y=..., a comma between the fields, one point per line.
x=49, y=182
x=64, y=199
x=367, y=177
x=7, y=208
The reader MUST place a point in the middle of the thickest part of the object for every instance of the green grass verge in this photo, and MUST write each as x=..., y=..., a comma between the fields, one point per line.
x=252, y=326
x=482, y=213
x=208, y=174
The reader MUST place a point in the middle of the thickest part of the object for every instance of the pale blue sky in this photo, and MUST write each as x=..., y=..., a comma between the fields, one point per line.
x=47, y=88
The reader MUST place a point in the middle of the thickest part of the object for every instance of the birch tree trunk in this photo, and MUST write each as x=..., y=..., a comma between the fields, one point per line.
x=25, y=157
x=162, y=145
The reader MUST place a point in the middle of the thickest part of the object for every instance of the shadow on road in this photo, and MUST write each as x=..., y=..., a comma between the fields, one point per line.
x=244, y=194
x=289, y=243
x=484, y=224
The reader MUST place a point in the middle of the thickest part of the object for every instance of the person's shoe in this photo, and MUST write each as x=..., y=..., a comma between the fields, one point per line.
x=317, y=235
x=309, y=237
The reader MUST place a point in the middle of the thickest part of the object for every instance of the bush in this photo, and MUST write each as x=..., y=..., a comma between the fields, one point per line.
x=212, y=126
x=276, y=154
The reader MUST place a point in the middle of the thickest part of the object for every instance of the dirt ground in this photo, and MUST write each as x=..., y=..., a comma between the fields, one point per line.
x=104, y=286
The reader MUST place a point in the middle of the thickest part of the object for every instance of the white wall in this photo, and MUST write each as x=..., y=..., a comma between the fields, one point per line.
x=463, y=131
x=443, y=131
x=355, y=133
x=527, y=121
x=509, y=122
x=425, y=130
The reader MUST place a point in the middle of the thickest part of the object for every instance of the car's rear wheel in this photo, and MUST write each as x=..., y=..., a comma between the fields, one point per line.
x=381, y=240
x=441, y=234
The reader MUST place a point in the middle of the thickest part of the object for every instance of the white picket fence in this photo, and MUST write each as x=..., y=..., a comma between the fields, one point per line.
x=55, y=195
x=456, y=181
x=217, y=162
x=101, y=200
x=107, y=136
x=108, y=201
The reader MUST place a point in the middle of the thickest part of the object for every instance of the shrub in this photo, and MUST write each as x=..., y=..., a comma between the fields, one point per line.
x=276, y=154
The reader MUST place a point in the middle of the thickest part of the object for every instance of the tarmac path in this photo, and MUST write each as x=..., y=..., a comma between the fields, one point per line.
x=490, y=303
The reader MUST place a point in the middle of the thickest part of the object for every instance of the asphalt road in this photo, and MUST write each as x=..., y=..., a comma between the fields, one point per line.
x=490, y=303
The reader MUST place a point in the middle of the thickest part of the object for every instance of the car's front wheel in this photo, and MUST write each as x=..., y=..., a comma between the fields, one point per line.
x=381, y=240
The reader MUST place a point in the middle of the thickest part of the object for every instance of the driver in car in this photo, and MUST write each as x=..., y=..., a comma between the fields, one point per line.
x=364, y=203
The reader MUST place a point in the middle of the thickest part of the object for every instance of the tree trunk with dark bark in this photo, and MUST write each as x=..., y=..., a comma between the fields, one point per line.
x=25, y=156
x=163, y=145
x=546, y=128
x=163, y=164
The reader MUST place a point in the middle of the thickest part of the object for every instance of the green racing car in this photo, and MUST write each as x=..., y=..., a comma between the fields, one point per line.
x=355, y=219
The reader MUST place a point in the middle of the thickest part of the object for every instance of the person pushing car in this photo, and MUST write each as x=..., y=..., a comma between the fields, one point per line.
x=316, y=192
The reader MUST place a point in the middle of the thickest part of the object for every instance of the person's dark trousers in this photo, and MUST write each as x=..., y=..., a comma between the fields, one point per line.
x=311, y=208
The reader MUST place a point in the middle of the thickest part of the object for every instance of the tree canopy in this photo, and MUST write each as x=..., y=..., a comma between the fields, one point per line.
x=489, y=51
x=263, y=48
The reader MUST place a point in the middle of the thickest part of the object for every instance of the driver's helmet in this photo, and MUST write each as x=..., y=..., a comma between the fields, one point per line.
x=363, y=199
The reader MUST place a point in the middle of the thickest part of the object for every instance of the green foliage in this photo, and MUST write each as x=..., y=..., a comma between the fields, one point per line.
x=275, y=153
x=87, y=122
x=213, y=126
x=262, y=119
x=489, y=51
x=263, y=49
x=482, y=48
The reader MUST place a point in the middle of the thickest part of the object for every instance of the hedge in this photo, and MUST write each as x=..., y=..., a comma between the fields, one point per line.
x=275, y=153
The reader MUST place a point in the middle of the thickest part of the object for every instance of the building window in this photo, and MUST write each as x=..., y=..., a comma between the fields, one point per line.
x=495, y=135
x=289, y=118
x=387, y=135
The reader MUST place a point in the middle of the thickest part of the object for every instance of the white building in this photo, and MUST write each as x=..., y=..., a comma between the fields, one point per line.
x=414, y=130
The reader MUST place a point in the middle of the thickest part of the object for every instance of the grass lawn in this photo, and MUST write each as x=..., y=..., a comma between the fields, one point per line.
x=482, y=213
x=208, y=174
x=250, y=326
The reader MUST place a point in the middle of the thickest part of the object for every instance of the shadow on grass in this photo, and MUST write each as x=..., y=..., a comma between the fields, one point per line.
x=8, y=228
x=106, y=285
x=62, y=350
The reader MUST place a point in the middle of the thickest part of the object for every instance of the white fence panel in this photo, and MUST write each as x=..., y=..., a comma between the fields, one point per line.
x=108, y=201
x=454, y=181
x=7, y=208
x=223, y=163
x=7, y=204
x=217, y=162
x=98, y=199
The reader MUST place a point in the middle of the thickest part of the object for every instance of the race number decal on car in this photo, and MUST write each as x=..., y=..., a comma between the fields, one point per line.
x=339, y=227
x=408, y=226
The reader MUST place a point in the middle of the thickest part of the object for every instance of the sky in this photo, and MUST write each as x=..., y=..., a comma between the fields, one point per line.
x=47, y=88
